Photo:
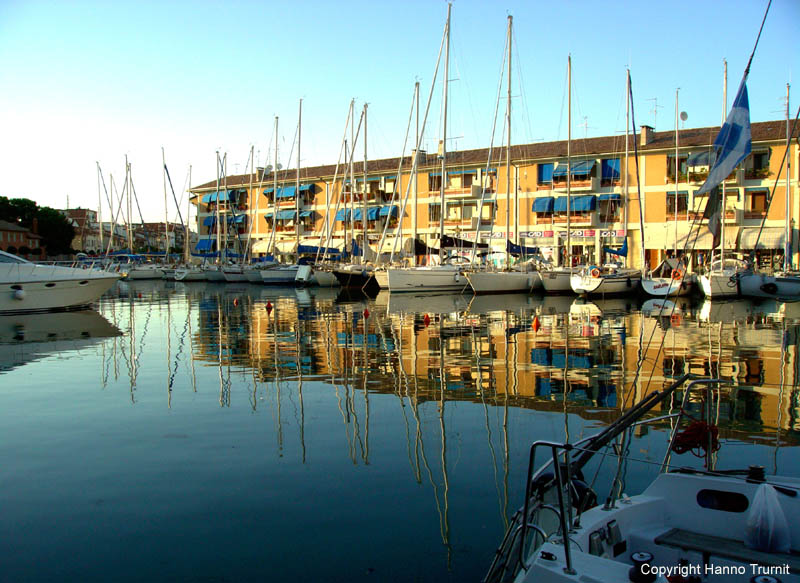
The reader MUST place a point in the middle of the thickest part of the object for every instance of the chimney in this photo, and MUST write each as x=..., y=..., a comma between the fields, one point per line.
x=647, y=135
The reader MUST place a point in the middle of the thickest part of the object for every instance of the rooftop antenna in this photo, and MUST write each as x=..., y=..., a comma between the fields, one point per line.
x=585, y=125
x=655, y=109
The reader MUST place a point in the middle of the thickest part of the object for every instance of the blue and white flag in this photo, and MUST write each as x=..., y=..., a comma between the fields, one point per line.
x=733, y=141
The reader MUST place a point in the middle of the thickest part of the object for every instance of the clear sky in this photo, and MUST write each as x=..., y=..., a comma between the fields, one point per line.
x=86, y=82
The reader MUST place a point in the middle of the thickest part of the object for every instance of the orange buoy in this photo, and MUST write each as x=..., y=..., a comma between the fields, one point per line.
x=677, y=274
x=536, y=324
x=675, y=319
x=595, y=272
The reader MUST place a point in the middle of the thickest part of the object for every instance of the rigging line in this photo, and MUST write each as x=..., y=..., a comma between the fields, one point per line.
x=523, y=94
x=763, y=21
x=174, y=198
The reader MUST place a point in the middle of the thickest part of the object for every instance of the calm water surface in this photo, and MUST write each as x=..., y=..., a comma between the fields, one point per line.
x=203, y=432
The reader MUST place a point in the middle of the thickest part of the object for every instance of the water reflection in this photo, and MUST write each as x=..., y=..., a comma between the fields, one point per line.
x=535, y=352
x=348, y=413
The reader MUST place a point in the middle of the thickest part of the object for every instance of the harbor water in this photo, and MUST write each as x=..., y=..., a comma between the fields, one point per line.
x=210, y=432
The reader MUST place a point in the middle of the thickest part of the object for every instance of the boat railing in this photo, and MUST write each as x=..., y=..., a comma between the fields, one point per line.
x=575, y=456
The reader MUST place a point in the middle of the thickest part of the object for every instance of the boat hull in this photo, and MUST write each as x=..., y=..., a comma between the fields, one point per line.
x=556, y=281
x=664, y=287
x=426, y=279
x=40, y=288
x=720, y=285
x=356, y=277
x=281, y=275
x=760, y=285
x=190, y=274
x=605, y=284
x=493, y=282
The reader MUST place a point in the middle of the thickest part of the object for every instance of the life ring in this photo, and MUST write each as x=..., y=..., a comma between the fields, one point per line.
x=675, y=319
x=595, y=272
x=677, y=274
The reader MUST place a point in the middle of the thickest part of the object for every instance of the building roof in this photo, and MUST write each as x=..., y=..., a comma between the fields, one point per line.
x=6, y=226
x=594, y=147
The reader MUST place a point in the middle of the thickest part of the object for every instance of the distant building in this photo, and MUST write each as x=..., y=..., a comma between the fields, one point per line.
x=21, y=241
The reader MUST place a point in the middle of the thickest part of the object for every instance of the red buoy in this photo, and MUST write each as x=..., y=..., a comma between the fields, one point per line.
x=366, y=313
x=269, y=307
x=427, y=320
x=536, y=325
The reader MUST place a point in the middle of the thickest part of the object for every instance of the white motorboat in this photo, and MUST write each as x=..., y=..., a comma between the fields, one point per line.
x=610, y=279
x=29, y=287
x=434, y=278
x=689, y=524
x=722, y=279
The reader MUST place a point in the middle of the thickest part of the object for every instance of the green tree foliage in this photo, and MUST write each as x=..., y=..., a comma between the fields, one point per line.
x=54, y=228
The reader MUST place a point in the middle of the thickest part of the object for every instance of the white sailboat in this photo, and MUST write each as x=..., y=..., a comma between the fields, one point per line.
x=443, y=277
x=556, y=279
x=784, y=284
x=523, y=278
x=670, y=279
x=613, y=278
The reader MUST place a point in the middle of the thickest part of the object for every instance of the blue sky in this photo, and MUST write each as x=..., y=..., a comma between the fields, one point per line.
x=86, y=82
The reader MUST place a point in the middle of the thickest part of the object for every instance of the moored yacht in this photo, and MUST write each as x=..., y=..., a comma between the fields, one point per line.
x=29, y=287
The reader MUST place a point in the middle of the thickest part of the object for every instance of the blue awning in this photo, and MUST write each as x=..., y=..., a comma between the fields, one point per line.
x=304, y=214
x=222, y=194
x=239, y=219
x=204, y=245
x=586, y=202
x=609, y=169
x=209, y=221
x=609, y=197
x=372, y=213
x=544, y=205
x=545, y=173
x=342, y=215
x=286, y=215
x=388, y=210
x=582, y=168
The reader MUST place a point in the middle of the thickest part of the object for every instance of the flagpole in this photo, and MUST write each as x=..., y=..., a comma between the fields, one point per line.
x=724, y=118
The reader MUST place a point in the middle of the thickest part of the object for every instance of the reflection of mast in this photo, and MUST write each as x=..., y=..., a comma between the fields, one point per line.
x=300, y=387
x=402, y=382
x=445, y=518
x=365, y=329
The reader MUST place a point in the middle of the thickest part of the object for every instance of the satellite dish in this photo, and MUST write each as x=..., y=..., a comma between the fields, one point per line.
x=268, y=169
x=684, y=116
x=279, y=166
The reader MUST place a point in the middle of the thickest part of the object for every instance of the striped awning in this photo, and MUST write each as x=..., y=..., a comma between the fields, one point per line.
x=544, y=204
x=770, y=238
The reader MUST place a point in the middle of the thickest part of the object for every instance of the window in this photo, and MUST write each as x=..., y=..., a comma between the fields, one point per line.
x=544, y=174
x=434, y=183
x=758, y=166
x=682, y=201
x=434, y=213
x=756, y=203
x=682, y=166
x=609, y=168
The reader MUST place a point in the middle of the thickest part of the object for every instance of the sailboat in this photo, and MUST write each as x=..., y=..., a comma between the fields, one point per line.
x=443, y=277
x=508, y=280
x=785, y=284
x=670, y=278
x=733, y=146
x=556, y=279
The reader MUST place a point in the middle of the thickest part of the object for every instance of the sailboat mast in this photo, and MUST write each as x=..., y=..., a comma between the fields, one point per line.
x=787, y=245
x=508, y=148
x=297, y=185
x=166, y=209
x=625, y=201
x=414, y=175
x=275, y=191
x=100, y=206
x=352, y=179
x=677, y=168
x=444, y=134
x=364, y=199
x=724, y=203
x=216, y=214
x=569, y=160
x=186, y=239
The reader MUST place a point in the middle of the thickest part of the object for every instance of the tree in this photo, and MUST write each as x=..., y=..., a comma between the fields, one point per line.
x=55, y=229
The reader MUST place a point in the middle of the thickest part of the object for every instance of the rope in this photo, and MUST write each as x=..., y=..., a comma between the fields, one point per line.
x=697, y=438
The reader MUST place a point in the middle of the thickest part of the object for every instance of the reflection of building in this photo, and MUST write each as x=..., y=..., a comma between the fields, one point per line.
x=602, y=212
x=582, y=360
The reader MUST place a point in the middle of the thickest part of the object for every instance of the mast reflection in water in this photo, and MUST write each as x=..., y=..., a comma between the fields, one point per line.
x=250, y=433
